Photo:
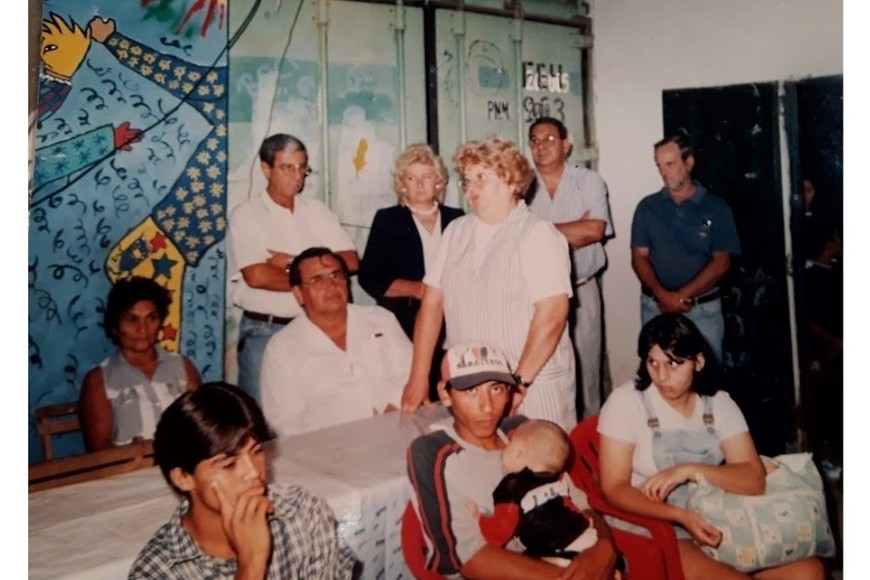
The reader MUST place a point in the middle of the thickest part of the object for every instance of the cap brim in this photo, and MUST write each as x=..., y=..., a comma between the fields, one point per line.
x=467, y=381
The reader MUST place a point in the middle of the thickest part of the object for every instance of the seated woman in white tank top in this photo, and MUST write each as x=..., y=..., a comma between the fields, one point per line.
x=124, y=396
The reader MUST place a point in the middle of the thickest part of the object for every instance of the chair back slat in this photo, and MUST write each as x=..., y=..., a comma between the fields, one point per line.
x=55, y=419
x=68, y=470
x=584, y=469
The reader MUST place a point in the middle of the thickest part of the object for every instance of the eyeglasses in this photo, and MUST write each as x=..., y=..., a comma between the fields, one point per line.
x=477, y=180
x=545, y=140
x=305, y=170
x=321, y=280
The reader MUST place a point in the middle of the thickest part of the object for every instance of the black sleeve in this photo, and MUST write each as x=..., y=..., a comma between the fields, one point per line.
x=376, y=271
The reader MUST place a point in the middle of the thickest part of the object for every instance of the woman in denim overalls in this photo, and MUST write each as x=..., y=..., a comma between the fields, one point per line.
x=678, y=364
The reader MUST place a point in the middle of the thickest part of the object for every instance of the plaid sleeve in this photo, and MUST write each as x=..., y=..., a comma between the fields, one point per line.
x=304, y=539
x=154, y=560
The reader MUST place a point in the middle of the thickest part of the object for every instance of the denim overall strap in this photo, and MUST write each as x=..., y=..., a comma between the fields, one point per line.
x=679, y=446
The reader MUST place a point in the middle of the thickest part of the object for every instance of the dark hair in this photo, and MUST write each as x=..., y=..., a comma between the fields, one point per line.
x=295, y=273
x=679, y=339
x=559, y=125
x=213, y=419
x=126, y=293
x=680, y=141
x=279, y=142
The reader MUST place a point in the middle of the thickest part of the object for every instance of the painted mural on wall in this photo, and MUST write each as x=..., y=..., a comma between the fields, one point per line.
x=128, y=178
x=274, y=87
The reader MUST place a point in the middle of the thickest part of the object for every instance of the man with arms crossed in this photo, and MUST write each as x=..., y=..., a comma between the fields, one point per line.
x=574, y=199
x=265, y=232
x=338, y=363
x=231, y=524
x=682, y=238
x=448, y=469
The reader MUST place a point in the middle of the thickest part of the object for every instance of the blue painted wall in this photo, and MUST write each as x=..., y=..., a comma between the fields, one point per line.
x=103, y=209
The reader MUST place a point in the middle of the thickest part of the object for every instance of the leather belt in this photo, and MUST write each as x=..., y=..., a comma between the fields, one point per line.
x=709, y=297
x=584, y=281
x=259, y=317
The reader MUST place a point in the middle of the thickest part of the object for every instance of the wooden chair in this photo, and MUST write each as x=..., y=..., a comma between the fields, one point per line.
x=67, y=470
x=54, y=420
x=656, y=557
x=414, y=547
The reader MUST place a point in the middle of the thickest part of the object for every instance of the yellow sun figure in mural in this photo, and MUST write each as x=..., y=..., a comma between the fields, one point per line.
x=148, y=252
x=359, y=160
x=64, y=46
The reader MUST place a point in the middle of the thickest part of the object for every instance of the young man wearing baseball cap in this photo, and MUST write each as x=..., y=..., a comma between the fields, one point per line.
x=462, y=463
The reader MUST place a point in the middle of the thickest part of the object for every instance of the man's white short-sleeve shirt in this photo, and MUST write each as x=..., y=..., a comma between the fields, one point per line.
x=308, y=383
x=259, y=225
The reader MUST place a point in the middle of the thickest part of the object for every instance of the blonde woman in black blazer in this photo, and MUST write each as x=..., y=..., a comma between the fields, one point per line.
x=393, y=264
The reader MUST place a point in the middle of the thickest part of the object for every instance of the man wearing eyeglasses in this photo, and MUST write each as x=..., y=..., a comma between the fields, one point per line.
x=338, y=363
x=574, y=199
x=265, y=232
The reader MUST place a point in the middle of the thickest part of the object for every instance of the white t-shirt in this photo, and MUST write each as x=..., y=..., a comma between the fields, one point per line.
x=308, y=383
x=624, y=418
x=259, y=224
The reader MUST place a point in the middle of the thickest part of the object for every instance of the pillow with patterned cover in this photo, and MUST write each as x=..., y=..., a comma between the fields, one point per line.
x=789, y=522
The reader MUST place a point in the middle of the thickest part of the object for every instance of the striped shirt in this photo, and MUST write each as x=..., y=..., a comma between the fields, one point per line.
x=580, y=190
x=491, y=278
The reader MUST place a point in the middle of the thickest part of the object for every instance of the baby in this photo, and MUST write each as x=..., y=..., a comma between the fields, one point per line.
x=533, y=502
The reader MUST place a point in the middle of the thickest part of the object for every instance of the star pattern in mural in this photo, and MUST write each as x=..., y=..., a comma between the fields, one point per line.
x=192, y=214
x=146, y=251
x=191, y=217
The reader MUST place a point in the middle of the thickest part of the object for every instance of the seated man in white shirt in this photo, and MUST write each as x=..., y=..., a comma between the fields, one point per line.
x=338, y=363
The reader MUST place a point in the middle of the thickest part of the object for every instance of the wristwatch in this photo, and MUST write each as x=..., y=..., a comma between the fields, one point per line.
x=522, y=382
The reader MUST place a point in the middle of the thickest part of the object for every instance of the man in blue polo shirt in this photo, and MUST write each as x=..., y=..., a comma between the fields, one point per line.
x=682, y=238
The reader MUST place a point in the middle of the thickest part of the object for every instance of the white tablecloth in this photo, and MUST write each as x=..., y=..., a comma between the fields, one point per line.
x=94, y=530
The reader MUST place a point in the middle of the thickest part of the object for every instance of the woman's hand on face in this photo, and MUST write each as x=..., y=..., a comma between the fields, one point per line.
x=414, y=395
x=660, y=485
x=702, y=531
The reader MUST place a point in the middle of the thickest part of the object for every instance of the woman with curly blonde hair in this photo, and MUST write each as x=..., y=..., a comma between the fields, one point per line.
x=502, y=276
x=404, y=238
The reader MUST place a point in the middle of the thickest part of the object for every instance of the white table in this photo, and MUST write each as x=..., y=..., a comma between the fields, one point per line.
x=94, y=530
